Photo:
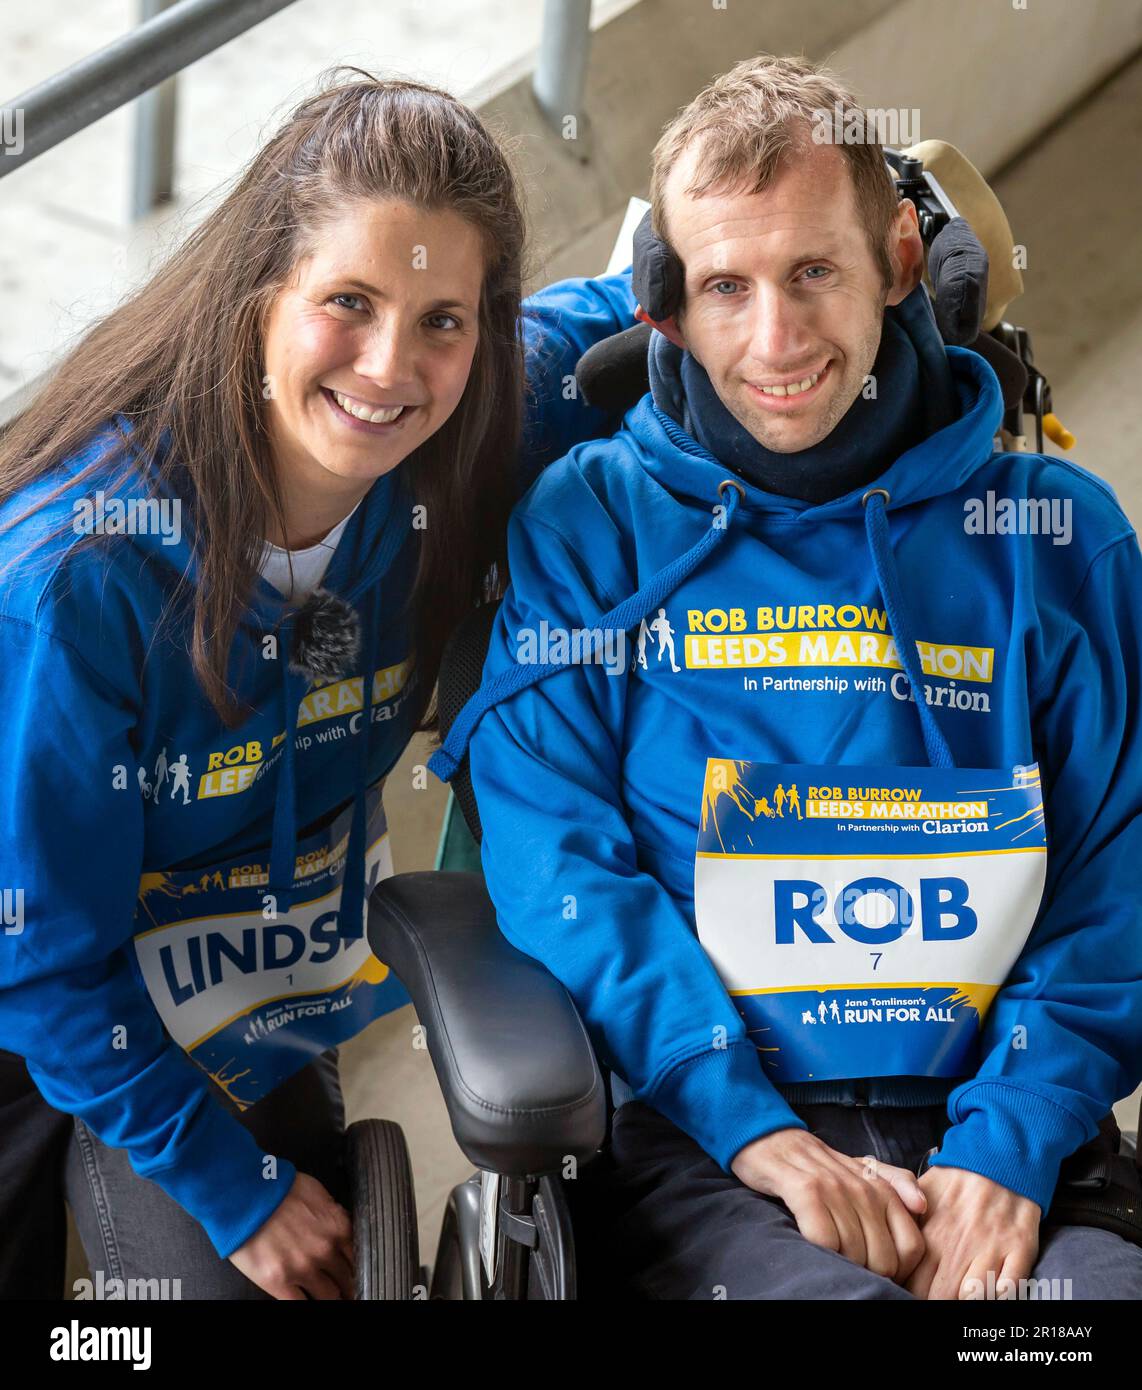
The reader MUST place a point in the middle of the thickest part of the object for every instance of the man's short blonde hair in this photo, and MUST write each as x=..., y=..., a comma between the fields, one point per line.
x=760, y=114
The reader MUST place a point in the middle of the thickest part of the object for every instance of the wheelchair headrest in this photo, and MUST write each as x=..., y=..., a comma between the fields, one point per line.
x=975, y=201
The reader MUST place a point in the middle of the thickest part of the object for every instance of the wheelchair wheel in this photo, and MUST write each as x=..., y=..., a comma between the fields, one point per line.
x=384, y=1210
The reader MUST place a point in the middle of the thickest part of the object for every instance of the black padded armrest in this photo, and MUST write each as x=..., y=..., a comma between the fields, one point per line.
x=516, y=1066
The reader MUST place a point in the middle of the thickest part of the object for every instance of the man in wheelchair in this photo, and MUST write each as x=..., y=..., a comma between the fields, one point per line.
x=840, y=863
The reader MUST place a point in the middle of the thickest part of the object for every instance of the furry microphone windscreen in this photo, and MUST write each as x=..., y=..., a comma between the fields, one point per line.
x=326, y=637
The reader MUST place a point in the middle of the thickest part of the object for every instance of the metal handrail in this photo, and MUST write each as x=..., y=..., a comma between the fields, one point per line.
x=182, y=32
x=174, y=38
x=109, y=78
x=560, y=77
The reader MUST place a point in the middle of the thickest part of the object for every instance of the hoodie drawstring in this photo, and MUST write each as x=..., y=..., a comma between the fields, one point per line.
x=351, y=914
x=295, y=684
x=884, y=563
x=283, y=852
x=622, y=618
x=447, y=758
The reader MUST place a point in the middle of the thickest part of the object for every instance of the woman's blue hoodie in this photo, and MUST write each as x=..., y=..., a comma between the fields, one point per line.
x=589, y=776
x=96, y=678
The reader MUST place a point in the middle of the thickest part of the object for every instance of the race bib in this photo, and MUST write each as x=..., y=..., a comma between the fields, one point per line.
x=863, y=918
x=253, y=997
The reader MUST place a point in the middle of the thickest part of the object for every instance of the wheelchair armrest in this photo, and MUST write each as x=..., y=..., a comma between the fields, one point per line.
x=518, y=1072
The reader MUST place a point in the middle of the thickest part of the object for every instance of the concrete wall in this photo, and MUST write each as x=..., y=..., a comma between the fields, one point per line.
x=988, y=75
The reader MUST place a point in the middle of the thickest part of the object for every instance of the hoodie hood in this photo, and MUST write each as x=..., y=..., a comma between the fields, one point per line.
x=938, y=463
x=914, y=398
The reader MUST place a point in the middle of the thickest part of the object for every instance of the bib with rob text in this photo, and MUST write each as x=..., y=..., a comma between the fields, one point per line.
x=863, y=917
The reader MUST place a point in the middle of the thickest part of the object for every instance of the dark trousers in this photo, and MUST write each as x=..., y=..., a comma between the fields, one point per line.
x=129, y=1227
x=33, y=1221
x=656, y=1218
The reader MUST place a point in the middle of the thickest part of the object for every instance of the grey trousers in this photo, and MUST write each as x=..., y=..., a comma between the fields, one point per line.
x=656, y=1217
x=131, y=1229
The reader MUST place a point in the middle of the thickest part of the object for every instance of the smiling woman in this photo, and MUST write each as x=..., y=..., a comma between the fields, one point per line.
x=361, y=372
x=370, y=247
x=324, y=389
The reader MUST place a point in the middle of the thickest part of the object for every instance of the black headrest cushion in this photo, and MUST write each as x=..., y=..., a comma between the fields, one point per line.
x=656, y=276
x=957, y=268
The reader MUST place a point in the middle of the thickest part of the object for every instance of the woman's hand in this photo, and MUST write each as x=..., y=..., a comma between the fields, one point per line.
x=306, y=1247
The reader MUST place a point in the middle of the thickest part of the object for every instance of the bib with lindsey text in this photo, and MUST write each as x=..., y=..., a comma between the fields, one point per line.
x=252, y=994
x=863, y=917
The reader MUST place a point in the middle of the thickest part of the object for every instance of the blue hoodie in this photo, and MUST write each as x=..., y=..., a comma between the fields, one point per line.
x=122, y=792
x=590, y=780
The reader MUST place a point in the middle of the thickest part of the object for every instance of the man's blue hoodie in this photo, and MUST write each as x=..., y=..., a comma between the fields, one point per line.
x=96, y=679
x=589, y=780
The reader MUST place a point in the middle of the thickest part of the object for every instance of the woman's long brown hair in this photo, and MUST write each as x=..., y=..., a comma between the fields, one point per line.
x=183, y=356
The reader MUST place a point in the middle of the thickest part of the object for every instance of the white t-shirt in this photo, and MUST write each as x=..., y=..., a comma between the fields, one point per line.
x=309, y=565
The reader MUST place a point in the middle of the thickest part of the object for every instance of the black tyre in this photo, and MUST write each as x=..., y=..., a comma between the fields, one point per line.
x=384, y=1210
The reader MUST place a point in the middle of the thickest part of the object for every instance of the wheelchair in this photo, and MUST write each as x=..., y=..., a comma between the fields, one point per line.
x=525, y=1094
x=382, y=1202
